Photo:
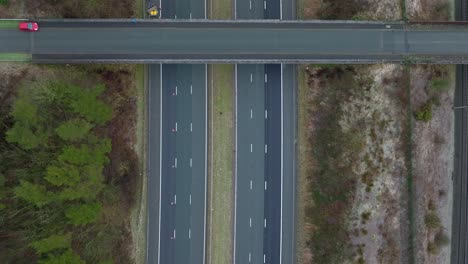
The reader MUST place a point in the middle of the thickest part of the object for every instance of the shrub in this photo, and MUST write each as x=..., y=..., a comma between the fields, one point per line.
x=432, y=220
x=424, y=113
x=441, y=239
x=439, y=84
x=4, y=2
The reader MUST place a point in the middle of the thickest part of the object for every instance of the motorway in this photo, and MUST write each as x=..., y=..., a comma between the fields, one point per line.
x=214, y=41
x=259, y=172
x=177, y=234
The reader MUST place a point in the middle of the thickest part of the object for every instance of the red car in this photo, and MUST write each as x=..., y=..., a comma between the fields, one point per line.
x=28, y=26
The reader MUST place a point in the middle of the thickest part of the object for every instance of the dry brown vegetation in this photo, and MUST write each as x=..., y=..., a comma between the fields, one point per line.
x=68, y=9
x=355, y=168
x=433, y=162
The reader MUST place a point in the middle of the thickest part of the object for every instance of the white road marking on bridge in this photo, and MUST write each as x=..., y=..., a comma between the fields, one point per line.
x=190, y=199
x=250, y=221
x=190, y=162
x=265, y=185
x=174, y=234
x=251, y=113
x=266, y=114
x=264, y=258
x=190, y=15
x=190, y=89
x=264, y=223
x=266, y=75
x=175, y=126
x=250, y=184
x=266, y=148
x=250, y=257
x=175, y=198
x=190, y=126
x=251, y=75
x=175, y=162
x=251, y=147
x=189, y=233
x=175, y=16
x=176, y=90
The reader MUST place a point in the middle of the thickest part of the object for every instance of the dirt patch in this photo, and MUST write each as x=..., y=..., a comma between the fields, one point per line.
x=433, y=160
x=430, y=10
x=350, y=9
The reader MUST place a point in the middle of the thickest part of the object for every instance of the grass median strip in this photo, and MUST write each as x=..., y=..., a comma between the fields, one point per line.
x=9, y=23
x=222, y=166
x=15, y=57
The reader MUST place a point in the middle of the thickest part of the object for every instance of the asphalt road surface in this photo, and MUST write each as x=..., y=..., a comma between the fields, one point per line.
x=183, y=164
x=250, y=163
x=229, y=42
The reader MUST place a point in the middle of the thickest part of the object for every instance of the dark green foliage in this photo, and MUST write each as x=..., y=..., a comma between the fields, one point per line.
x=74, y=129
x=58, y=166
x=83, y=213
x=52, y=243
x=68, y=257
x=4, y=2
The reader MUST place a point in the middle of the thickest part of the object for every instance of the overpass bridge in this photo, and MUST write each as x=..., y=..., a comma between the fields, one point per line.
x=212, y=41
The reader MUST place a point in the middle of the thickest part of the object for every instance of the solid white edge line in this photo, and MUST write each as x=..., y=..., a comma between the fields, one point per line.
x=235, y=167
x=281, y=18
x=206, y=157
x=147, y=85
x=160, y=158
x=281, y=220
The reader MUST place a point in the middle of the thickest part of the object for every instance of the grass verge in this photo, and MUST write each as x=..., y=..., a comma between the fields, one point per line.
x=138, y=213
x=304, y=164
x=221, y=176
x=221, y=9
x=15, y=57
x=9, y=23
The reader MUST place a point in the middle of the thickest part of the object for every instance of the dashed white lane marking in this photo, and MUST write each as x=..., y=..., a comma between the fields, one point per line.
x=264, y=7
x=266, y=75
x=175, y=162
x=175, y=198
x=189, y=233
x=176, y=90
x=190, y=89
x=190, y=126
x=190, y=199
x=251, y=75
x=264, y=223
x=250, y=184
x=250, y=221
x=251, y=147
x=266, y=148
x=190, y=15
x=251, y=113
x=265, y=185
x=190, y=162
x=176, y=126
x=264, y=258
x=266, y=114
x=174, y=233
x=250, y=257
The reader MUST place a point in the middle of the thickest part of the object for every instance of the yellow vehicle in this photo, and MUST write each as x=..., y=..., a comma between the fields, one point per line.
x=153, y=11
